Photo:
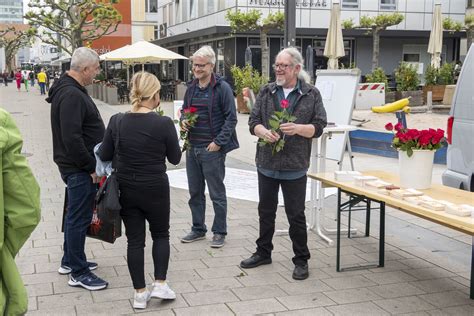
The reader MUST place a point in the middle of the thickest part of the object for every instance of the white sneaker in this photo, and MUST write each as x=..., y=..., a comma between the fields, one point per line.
x=163, y=291
x=140, y=299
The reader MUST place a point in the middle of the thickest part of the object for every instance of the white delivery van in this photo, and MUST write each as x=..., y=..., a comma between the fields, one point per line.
x=460, y=132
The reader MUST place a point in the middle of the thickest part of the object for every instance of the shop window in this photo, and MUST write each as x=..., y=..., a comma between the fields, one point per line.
x=390, y=5
x=411, y=57
x=350, y=4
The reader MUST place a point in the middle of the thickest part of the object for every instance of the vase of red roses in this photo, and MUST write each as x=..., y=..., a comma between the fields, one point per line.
x=278, y=118
x=416, y=149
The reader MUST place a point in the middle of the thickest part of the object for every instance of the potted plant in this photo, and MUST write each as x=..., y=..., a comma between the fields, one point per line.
x=407, y=81
x=246, y=77
x=436, y=81
x=416, y=149
x=111, y=94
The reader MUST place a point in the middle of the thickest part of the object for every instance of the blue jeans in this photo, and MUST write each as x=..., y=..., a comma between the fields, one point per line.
x=80, y=203
x=42, y=87
x=208, y=166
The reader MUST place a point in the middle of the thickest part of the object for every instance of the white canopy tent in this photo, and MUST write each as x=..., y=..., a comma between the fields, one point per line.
x=141, y=52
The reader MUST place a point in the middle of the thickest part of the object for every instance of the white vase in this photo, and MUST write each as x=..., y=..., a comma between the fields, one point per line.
x=416, y=171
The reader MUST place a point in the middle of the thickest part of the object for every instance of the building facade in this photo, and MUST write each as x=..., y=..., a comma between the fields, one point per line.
x=186, y=25
x=144, y=20
x=11, y=12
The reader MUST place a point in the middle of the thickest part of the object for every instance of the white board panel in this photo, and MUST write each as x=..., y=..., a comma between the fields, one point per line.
x=338, y=89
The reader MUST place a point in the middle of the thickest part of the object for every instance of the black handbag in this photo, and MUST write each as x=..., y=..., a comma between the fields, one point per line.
x=106, y=222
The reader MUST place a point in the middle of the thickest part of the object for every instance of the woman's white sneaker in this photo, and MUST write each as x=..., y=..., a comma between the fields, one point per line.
x=163, y=291
x=141, y=299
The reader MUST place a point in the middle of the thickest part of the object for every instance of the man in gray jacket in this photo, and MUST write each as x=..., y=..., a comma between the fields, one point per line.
x=286, y=168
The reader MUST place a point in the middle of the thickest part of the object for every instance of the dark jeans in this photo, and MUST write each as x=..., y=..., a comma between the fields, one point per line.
x=81, y=192
x=150, y=202
x=42, y=87
x=208, y=166
x=294, y=192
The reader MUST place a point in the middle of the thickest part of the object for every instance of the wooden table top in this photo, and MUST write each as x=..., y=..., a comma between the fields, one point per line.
x=437, y=191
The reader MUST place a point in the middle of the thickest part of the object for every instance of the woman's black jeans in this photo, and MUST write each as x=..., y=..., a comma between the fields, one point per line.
x=148, y=201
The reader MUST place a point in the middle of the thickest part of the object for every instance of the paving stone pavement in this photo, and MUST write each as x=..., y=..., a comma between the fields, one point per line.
x=427, y=267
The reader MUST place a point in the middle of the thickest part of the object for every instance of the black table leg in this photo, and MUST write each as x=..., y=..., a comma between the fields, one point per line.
x=382, y=235
x=472, y=269
x=338, y=238
x=367, y=219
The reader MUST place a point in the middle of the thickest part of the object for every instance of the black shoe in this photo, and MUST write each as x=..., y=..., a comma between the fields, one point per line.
x=300, y=272
x=254, y=261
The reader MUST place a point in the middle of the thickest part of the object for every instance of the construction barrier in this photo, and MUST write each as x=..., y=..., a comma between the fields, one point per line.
x=369, y=95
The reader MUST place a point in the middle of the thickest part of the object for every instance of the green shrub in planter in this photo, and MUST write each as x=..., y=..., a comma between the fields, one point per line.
x=247, y=77
x=100, y=77
x=377, y=76
x=431, y=76
x=446, y=74
x=406, y=77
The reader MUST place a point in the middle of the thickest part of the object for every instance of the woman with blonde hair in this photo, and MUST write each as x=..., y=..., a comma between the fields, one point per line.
x=145, y=141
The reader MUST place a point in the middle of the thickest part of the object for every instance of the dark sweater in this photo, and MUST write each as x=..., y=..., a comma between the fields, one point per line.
x=76, y=126
x=221, y=116
x=145, y=141
x=308, y=109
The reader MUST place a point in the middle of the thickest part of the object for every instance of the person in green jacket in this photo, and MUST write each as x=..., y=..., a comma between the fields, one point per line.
x=19, y=214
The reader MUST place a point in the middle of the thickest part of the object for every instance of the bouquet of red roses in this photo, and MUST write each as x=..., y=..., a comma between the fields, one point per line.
x=191, y=117
x=278, y=118
x=409, y=139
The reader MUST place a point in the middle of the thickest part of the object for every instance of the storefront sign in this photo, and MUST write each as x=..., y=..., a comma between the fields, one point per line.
x=281, y=3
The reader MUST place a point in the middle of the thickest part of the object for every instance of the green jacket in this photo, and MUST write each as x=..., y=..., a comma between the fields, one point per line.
x=19, y=214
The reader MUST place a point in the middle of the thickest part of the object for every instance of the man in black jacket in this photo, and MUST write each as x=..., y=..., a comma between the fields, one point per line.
x=77, y=127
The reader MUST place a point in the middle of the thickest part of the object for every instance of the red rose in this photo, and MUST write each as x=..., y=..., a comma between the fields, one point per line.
x=193, y=109
x=398, y=127
x=413, y=134
x=424, y=140
x=284, y=104
x=389, y=127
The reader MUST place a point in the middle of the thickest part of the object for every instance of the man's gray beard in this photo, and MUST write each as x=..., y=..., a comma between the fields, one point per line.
x=280, y=82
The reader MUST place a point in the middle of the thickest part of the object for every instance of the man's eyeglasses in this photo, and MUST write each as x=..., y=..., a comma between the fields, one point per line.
x=200, y=66
x=281, y=66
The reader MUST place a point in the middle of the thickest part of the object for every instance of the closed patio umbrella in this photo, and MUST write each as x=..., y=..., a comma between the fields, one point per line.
x=309, y=61
x=435, y=45
x=248, y=56
x=334, y=48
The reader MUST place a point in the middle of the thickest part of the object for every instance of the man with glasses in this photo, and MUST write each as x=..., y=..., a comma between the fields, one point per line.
x=286, y=168
x=211, y=138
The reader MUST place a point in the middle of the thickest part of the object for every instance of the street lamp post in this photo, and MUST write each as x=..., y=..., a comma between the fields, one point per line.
x=290, y=23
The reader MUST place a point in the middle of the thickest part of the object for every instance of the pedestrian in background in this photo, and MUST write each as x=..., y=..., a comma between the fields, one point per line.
x=20, y=213
x=145, y=141
x=31, y=76
x=5, y=78
x=42, y=81
x=76, y=128
x=211, y=138
x=287, y=168
x=18, y=79
x=24, y=76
